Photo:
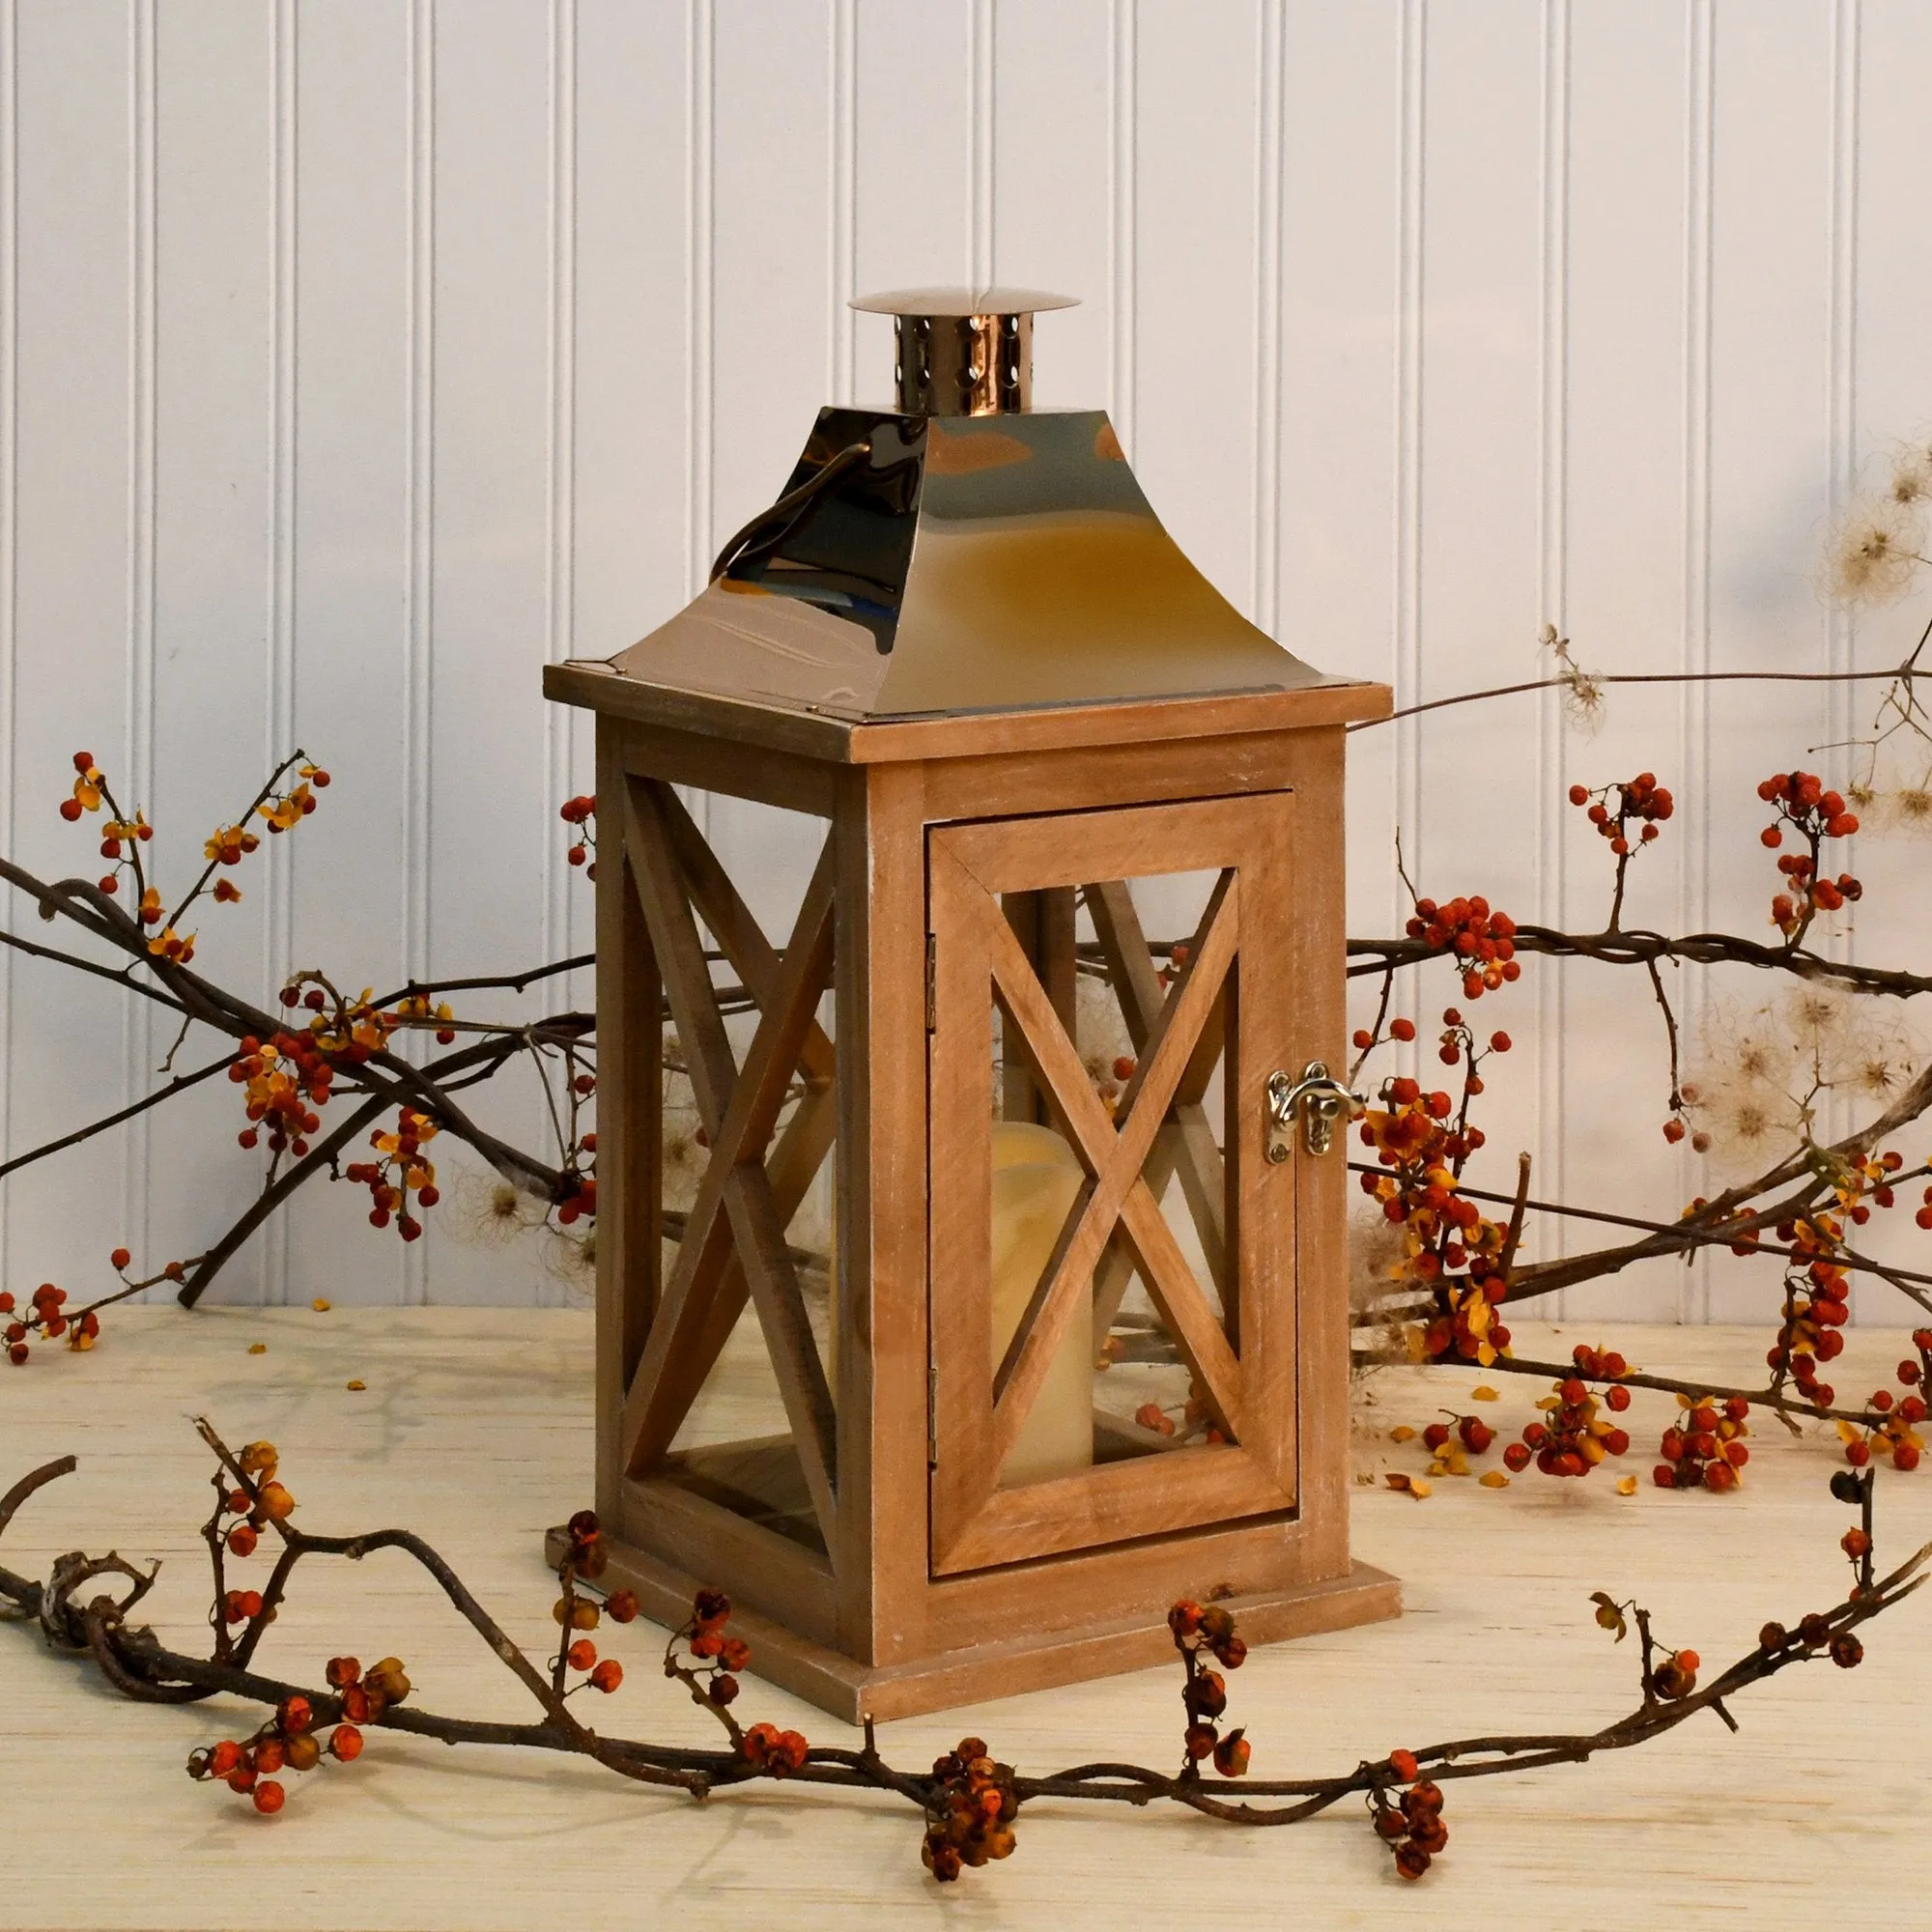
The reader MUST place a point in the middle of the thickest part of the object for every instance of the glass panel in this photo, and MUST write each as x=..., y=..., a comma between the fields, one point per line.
x=1118, y=1384
x=734, y=1444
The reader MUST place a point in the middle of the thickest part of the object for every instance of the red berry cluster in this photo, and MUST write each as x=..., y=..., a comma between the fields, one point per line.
x=120, y=838
x=415, y=1009
x=285, y=1083
x=245, y=1512
x=1817, y=1297
x=587, y=1556
x=1199, y=1634
x=1704, y=1449
x=713, y=1657
x=1891, y=1422
x=1483, y=940
x=1639, y=801
x=286, y=806
x=578, y=1200
x=581, y=812
x=1449, y=1245
x=1813, y=1634
x=1573, y=1435
x=1471, y=1430
x=776, y=1754
x=46, y=1316
x=287, y=1741
x=1412, y=1825
x=1676, y=1677
x=969, y=1816
x=365, y=1694
x=353, y=1030
x=1804, y=807
x=1456, y=1045
x=401, y=1169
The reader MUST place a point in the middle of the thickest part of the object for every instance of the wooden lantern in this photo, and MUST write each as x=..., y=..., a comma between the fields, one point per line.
x=1084, y=1349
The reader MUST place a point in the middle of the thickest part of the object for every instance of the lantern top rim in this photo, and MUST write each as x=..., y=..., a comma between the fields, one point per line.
x=961, y=300
x=826, y=737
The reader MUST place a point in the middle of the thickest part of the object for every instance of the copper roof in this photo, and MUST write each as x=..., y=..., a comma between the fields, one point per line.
x=920, y=565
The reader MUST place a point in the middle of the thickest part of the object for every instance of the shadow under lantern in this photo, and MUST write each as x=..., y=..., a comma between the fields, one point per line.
x=1049, y=1031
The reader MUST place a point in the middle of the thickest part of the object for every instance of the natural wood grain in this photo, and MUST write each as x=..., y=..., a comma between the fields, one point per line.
x=840, y=739
x=629, y=1094
x=1307, y=1008
x=1115, y=1502
x=783, y=779
x=960, y=1214
x=883, y=1354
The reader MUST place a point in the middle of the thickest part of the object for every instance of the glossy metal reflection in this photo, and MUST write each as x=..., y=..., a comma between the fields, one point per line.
x=960, y=563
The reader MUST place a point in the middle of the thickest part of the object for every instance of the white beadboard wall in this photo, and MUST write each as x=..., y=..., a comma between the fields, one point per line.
x=358, y=355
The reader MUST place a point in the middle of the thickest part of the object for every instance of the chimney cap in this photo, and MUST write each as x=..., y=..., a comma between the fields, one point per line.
x=961, y=301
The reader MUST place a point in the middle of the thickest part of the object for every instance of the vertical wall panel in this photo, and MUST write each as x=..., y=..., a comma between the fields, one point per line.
x=1622, y=598
x=1339, y=273
x=1051, y=185
x=1194, y=428
x=912, y=199
x=350, y=567
x=1769, y=475
x=489, y=820
x=215, y=559
x=629, y=350
x=73, y=592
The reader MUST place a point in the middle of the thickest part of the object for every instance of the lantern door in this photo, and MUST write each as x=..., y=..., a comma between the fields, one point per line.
x=1112, y=1251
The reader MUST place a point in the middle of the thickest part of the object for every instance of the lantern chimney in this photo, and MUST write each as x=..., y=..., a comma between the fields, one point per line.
x=963, y=352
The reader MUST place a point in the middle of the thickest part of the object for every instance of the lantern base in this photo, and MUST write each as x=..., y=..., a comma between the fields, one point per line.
x=852, y=1690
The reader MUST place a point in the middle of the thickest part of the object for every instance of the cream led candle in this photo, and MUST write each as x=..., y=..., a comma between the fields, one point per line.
x=1036, y=1181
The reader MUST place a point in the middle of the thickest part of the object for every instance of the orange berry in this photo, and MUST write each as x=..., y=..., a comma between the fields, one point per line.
x=345, y=1743
x=608, y=1675
x=269, y=1797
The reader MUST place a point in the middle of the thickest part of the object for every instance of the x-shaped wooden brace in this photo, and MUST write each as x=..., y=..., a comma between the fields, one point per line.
x=1186, y=1143
x=734, y=1236
x=1115, y=1153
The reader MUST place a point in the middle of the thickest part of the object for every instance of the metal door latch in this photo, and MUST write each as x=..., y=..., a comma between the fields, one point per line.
x=1321, y=1099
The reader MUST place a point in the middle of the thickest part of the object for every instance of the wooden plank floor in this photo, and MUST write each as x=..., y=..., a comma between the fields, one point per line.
x=475, y=1430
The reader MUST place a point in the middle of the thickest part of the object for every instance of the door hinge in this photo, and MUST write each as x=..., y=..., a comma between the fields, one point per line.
x=933, y=1415
x=932, y=983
